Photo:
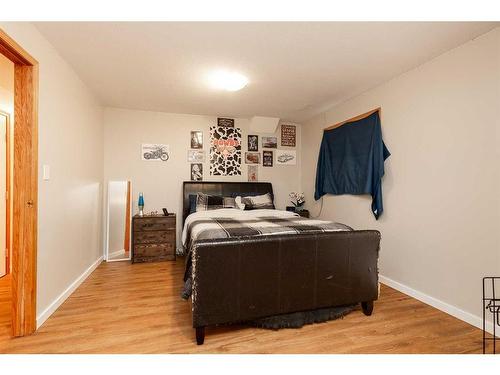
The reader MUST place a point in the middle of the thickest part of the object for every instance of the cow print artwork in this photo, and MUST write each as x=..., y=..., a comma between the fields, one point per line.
x=225, y=151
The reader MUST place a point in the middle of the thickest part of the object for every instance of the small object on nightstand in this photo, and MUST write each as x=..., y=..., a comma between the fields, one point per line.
x=140, y=203
x=298, y=201
x=153, y=238
x=165, y=212
x=304, y=213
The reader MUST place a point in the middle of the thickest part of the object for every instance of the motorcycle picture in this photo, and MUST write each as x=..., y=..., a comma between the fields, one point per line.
x=157, y=153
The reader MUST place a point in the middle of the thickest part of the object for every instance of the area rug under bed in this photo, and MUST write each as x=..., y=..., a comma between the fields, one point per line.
x=299, y=319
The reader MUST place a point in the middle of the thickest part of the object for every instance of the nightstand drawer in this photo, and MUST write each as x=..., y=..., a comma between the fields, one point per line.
x=147, y=259
x=147, y=237
x=154, y=250
x=154, y=223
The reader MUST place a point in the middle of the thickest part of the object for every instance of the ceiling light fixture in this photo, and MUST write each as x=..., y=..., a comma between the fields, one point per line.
x=229, y=81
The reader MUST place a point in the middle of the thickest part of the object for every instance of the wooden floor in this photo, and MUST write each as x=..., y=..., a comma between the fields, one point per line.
x=125, y=308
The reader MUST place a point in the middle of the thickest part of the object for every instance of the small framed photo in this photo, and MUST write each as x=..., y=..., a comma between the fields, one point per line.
x=196, y=156
x=286, y=157
x=197, y=139
x=288, y=135
x=253, y=143
x=252, y=158
x=267, y=158
x=269, y=142
x=196, y=172
x=225, y=122
x=155, y=152
x=253, y=173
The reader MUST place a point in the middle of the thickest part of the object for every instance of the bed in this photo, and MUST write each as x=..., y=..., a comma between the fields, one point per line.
x=240, y=272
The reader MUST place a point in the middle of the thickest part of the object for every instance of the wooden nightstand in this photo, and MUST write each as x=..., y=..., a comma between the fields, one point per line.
x=304, y=213
x=153, y=238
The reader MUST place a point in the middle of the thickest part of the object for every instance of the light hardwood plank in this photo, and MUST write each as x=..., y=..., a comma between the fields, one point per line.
x=125, y=308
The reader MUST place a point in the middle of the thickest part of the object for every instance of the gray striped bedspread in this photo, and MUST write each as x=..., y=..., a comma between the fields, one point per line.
x=220, y=225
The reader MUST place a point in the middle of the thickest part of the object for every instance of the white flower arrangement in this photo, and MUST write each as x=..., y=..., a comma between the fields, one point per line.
x=297, y=199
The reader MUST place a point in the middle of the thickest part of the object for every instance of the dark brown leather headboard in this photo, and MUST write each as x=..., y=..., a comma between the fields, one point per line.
x=225, y=189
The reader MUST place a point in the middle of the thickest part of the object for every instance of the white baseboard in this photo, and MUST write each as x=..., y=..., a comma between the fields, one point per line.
x=44, y=315
x=465, y=316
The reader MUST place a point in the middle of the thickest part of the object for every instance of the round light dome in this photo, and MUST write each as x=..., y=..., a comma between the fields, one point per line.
x=229, y=81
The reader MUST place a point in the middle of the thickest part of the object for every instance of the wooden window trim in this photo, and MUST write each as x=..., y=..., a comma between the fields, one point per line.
x=357, y=118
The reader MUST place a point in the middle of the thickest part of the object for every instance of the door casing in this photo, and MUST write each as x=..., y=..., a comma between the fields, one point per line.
x=25, y=186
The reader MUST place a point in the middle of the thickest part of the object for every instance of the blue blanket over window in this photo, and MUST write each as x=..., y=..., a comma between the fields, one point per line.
x=351, y=161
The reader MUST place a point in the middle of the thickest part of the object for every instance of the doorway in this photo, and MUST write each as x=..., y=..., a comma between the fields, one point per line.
x=5, y=191
x=24, y=193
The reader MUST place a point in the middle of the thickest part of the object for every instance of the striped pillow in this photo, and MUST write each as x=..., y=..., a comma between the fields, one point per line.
x=206, y=202
x=258, y=202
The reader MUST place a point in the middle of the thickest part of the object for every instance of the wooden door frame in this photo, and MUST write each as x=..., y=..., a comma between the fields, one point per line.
x=25, y=186
x=8, y=187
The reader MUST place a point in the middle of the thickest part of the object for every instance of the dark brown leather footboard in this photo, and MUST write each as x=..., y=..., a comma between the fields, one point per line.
x=241, y=280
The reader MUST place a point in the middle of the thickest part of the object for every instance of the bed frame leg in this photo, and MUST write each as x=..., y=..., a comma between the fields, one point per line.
x=367, y=307
x=200, y=335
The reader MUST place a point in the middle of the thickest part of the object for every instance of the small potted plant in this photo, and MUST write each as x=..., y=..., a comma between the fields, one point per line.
x=298, y=200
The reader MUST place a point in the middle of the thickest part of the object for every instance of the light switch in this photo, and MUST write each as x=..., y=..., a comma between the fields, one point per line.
x=46, y=172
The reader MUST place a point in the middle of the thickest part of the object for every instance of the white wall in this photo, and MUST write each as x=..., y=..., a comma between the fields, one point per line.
x=161, y=182
x=70, y=141
x=440, y=228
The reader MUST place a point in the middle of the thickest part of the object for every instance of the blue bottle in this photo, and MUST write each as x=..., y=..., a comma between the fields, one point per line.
x=141, y=204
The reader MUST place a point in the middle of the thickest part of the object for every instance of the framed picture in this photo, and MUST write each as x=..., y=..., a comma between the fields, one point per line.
x=286, y=157
x=197, y=139
x=253, y=173
x=267, y=158
x=288, y=135
x=269, y=142
x=225, y=122
x=154, y=152
x=196, y=156
x=225, y=151
x=196, y=172
x=252, y=158
x=253, y=143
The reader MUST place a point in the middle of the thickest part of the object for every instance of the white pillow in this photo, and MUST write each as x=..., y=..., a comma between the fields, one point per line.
x=258, y=202
x=239, y=203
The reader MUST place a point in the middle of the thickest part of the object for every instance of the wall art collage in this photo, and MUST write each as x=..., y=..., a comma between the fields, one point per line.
x=288, y=135
x=225, y=155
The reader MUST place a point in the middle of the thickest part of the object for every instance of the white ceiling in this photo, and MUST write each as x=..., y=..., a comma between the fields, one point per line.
x=295, y=69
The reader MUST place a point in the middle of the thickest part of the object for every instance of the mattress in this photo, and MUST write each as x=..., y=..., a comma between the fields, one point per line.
x=221, y=224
